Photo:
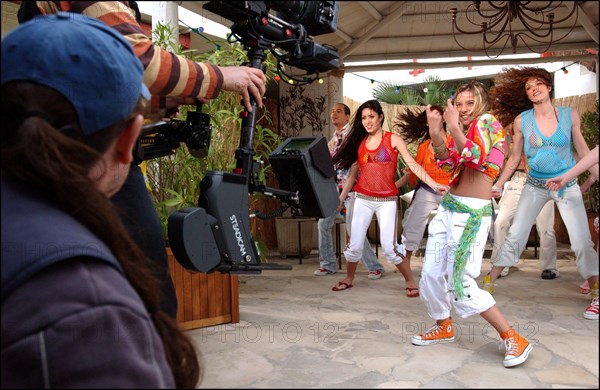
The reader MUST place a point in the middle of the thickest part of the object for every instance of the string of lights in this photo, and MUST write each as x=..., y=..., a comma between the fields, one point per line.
x=564, y=68
x=373, y=81
x=296, y=81
x=199, y=31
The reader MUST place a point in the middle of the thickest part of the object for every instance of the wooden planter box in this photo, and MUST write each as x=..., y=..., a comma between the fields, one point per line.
x=204, y=299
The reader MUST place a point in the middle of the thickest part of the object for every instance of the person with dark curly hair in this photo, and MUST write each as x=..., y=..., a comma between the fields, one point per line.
x=374, y=153
x=414, y=128
x=80, y=304
x=458, y=233
x=546, y=135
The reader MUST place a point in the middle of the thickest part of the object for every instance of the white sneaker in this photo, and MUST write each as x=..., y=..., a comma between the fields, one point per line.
x=504, y=271
x=374, y=275
x=322, y=272
x=591, y=313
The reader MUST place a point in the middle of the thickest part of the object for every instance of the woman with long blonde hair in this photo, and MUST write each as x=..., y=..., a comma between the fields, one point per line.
x=459, y=231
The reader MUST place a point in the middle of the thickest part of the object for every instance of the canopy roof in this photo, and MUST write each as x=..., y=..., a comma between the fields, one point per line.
x=421, y=31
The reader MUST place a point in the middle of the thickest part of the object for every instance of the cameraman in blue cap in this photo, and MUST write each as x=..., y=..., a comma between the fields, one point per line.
x=166, y=75
x=80, y=305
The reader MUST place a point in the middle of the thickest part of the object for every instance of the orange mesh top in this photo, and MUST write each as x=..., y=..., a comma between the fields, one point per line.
x=426, y=159
x=377, y=168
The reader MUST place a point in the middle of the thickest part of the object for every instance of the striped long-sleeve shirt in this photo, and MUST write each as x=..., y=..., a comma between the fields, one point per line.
x=165, y=73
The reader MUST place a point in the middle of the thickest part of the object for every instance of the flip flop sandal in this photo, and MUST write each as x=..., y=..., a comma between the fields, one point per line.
x=584, y=288
x=339, y=287
x=412, y=292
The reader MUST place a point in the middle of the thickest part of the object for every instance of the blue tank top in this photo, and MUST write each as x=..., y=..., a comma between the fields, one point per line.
x=547, y=157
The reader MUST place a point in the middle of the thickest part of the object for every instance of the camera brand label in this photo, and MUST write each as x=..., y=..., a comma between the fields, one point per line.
x=238, y=234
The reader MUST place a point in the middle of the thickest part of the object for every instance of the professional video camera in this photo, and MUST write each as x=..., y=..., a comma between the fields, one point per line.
x=162, y=138
x=216, y=235
x=286, y=35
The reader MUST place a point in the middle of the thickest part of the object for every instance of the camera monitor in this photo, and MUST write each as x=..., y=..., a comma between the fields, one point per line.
x=303, y=165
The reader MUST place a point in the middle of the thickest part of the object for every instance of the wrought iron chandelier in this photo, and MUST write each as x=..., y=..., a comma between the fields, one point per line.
x=537, y=18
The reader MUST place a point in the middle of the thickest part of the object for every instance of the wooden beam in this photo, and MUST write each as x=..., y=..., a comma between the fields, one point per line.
x=587, y=24
x=419, y=55
x=460, y=64
x=397, y=11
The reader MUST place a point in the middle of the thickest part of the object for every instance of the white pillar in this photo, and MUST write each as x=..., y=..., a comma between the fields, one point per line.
x=335, y=94
x=166, y=12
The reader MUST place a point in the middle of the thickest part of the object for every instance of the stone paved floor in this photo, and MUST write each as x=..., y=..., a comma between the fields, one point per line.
x=295, y=332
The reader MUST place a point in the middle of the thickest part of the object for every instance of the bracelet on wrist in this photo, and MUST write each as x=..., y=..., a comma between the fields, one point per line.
x=439, y=149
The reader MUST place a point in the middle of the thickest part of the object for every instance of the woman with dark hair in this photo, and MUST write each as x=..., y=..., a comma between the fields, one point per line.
x=374, y=152
x=80, y=304
x=546, y=135
x=414, y=128
x=458, y=233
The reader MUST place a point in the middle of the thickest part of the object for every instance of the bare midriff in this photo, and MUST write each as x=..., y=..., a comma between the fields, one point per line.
x=473, y=184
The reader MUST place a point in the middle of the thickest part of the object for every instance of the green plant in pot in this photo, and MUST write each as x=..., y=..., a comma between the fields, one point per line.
x=174, y=180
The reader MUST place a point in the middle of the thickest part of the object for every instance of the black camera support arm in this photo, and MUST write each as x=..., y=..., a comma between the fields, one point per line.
x=216, y=236
x=245, y=152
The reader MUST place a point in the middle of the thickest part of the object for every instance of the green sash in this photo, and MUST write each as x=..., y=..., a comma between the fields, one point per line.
x=469, y=233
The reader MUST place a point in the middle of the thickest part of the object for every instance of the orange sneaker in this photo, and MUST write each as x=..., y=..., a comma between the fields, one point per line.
x=437, y=334
x=517, y=348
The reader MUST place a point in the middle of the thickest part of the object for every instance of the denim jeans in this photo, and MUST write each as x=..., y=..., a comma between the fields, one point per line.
x=327, y=258
x=544, y=222
x=141, y=220
x=572, y=211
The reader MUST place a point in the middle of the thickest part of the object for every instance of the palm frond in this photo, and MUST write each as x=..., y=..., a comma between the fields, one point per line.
x=437, y=91
x=387, y=92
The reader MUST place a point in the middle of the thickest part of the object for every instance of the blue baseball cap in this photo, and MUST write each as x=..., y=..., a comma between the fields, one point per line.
x=84, y=59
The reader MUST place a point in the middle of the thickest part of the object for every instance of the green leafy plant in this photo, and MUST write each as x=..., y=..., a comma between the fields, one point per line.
x=435, y=91
x=390, y=92
x=432, y=91
x=165, y=36
x=589, y=130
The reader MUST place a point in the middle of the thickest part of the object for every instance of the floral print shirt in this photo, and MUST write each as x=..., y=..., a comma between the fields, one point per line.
x=484, y=150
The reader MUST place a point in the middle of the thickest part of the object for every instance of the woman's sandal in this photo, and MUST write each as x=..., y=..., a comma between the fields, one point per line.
x=412, y=292
x=341, y=286
x=584, y=288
